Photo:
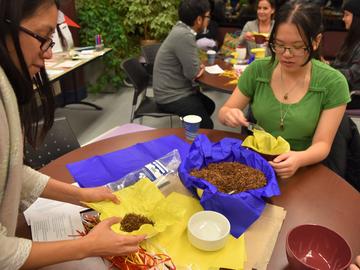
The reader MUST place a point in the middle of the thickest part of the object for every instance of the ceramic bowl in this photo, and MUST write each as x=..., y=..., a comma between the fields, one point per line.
x=310, y=247
x=208, y=230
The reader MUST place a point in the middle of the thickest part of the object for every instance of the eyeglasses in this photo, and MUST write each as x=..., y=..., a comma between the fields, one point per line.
x=45, y=42
x=294, y=51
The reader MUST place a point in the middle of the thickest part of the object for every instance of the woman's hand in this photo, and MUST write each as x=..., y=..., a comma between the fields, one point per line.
x=97, y=194
x=285, y=165
x=102, y=241
x=233, y=117
x=249, y=36
x=356, y=265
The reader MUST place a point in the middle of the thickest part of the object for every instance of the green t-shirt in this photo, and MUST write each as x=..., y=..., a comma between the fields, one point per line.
x=328, y=89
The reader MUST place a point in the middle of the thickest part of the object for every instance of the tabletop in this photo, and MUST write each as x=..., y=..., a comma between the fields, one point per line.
x=313, y=195
x=61, y=63
x=215, y=81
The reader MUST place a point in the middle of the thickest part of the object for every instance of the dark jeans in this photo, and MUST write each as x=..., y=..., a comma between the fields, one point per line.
x=197, y=104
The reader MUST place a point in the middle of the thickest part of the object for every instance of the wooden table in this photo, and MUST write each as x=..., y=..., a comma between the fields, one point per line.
x=57, y=72
x=216, y=82
x=313, y=195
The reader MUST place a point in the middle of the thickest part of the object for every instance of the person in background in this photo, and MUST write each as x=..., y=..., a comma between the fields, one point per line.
x=177, y=65
x=292, y=94
x=26, y=28
x=348, y=58
x=263, y=24
x=206, y=39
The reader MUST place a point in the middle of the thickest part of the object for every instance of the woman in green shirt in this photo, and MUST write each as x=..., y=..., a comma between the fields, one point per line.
x=292, y=94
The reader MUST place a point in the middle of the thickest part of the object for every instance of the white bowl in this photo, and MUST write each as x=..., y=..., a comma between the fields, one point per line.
x=208, y=230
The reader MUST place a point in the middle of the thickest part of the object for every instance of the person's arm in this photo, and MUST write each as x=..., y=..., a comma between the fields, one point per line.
x=230, y=114
x=187, y=53
x=352, y=72
x=101, y=241
x=64, y=192
x=287, y=164
x=246, y=33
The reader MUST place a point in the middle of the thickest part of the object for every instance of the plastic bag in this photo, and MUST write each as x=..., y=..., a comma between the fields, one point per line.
x=156, y=171
x=243, y=208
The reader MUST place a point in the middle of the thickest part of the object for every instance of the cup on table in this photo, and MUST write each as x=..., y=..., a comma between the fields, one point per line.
x=191, y=123
x=211, y=54
x=241, y=53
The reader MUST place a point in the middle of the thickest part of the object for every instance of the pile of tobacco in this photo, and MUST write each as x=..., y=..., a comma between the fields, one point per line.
x=132, y=222
x=231, y=177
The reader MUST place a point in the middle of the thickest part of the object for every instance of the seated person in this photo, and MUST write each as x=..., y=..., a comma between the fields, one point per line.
x=347, y=60
x=263, y=24
x=207, y=39
x=177, y=65
x=292, y=94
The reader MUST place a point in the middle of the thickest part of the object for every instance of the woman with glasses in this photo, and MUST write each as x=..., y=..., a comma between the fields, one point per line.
x=292, y=94
x=263, y=24
x=26, y=28
x=348, y=59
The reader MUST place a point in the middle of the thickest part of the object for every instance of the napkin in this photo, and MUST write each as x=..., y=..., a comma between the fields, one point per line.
x=175, y=242
x=142, y=198
x=265, y=143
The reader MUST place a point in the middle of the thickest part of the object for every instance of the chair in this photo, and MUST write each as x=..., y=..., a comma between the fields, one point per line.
x=331, y=43
x=140, y=80
x=149, y=52
x=59, y=141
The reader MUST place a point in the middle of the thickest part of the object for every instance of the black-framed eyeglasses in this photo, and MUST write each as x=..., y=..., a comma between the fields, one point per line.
x=294, y=51
x=45, y=42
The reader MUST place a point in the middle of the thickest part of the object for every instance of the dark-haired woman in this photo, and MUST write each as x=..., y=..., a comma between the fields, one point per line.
x=292, y=95
x=348, y=59
x=263, y=24
x=26, y=28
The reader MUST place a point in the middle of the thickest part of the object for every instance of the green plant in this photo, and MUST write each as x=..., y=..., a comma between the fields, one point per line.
x=152, y=19
x=102, y=17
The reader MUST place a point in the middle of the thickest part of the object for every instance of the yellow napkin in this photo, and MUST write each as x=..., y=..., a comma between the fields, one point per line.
x=141, y=198
x=265, y=143
x=175, y=242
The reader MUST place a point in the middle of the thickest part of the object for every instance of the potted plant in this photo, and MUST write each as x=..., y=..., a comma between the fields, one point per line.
x=151, y=19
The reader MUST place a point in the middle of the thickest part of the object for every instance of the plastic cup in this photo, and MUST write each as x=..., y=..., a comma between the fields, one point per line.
x=191, y=124
x=259, y=52
x=241, y=53
x=211, y=54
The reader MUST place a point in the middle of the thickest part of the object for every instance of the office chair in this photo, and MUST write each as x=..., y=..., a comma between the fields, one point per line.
x=140, y=80
x=149, y=52
x=59, y=141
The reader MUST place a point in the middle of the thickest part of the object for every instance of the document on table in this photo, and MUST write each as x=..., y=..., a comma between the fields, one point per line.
x=54, y=227
x=68, y=64
x=215, y=69
x=54, y=72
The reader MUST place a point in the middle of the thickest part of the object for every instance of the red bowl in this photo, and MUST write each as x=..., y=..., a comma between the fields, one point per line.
x=310, y=247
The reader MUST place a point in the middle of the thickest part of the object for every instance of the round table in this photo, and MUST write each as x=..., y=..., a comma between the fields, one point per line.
x=313, y=195
x=215, y=81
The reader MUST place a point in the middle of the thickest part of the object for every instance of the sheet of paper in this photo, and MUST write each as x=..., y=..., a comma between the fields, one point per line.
x=55, y=226
x=215, y=69
x=68, y=64
x=54, y=72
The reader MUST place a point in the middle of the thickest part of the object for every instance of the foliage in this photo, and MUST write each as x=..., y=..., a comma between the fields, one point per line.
x=101, y=17
x=152, y=19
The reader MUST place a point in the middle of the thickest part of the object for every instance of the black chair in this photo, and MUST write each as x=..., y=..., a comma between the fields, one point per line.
x=140, y=80
x=149, y=52
x=59, y=141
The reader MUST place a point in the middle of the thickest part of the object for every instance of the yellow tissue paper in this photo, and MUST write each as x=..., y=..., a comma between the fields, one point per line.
x=265, y=143
x=174, y=242
x=142, y=198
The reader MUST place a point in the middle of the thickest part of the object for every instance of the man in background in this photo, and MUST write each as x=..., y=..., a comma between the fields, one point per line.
x=177, y=65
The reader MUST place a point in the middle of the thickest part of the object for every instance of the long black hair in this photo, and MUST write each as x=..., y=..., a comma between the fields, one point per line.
x=307, y=18
x=35, y=103
x=351, y=41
